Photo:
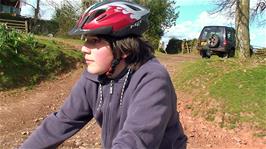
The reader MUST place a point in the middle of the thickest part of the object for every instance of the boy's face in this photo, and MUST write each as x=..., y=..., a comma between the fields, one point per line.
x=98, y=55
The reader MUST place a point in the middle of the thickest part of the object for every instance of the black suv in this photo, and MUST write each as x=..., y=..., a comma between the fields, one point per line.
x=217, y=40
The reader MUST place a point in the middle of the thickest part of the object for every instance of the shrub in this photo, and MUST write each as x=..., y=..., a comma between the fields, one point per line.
x=174, y=46
x=25, y=61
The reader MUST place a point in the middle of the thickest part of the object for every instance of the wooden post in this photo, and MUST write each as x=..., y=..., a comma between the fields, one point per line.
x=182, y=46
x=187, y=47
x=26, y=26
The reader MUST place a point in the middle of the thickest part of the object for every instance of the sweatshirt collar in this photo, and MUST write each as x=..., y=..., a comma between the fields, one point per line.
x=103, y=79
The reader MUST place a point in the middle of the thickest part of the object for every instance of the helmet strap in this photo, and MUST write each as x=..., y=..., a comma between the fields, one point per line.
x=111, y=70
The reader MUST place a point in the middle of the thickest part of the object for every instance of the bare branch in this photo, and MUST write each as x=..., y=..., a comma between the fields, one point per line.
x=23, y=1
x=73, y=3
x=258, y=12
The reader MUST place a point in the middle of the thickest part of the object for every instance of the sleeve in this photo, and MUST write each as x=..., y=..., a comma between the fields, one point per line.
x=148, y=114
x=59, y=126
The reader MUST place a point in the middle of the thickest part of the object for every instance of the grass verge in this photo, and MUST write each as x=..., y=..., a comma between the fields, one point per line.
x=228, y=90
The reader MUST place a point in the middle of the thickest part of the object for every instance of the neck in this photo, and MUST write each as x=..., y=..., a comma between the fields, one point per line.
x=119, y=68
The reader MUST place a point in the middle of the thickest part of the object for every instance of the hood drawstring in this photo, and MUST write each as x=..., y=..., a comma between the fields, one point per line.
x=111, y=90
x=111, y=87
x=124, y=86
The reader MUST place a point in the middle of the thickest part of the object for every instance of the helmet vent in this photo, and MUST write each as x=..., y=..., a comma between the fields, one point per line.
x=95, y=15
x=101, y=17
x=133, y=7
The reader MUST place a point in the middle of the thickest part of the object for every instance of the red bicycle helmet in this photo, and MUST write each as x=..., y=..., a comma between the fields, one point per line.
x=113, y=18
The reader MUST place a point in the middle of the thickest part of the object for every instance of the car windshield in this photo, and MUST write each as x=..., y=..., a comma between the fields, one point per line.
x=208, y=31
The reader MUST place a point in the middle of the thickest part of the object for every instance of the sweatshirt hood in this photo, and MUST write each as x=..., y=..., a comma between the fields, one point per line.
x=92, y=77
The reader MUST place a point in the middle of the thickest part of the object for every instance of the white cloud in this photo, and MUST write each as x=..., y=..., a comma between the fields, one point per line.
x=216, y=19
x=180, y=30
x=191, y=29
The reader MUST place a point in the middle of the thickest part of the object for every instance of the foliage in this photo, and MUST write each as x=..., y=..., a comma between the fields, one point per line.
x=25, y=61
x=163, y=15
x=66, y=17
x=87, y=3
x=231, y=89
x=45, y=27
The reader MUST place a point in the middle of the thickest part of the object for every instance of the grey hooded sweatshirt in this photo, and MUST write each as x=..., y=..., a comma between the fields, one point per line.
x=145, y=118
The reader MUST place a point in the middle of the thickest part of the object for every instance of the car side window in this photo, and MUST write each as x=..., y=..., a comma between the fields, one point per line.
x=208, y=33
x=204, y=34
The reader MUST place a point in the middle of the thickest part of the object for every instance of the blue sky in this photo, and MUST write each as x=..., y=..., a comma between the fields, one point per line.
x=193, y=17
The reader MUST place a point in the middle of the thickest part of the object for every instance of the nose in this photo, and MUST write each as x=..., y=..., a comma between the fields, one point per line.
x=85, y=49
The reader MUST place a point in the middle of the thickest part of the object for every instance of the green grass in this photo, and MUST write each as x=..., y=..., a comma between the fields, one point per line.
x=66, y=41
x=234, y=89
x=57, y=44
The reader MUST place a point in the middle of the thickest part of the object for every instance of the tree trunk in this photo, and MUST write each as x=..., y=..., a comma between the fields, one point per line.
x=36, y=17
x=37, y=10
x=242, y=28
x=237, y=22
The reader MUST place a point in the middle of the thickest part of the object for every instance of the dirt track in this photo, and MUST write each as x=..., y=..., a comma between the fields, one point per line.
x=22, y=110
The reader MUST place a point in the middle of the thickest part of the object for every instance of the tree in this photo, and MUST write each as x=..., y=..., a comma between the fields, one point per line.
x=66, y=16
x=36, y=8
x=87, y=3
x=36, y=16
x=259, y=10
x=242, y=28
x=163, y=15
x=241, y=10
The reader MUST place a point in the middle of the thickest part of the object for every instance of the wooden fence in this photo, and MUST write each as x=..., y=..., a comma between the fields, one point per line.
x=19, y=25
x=260, y=52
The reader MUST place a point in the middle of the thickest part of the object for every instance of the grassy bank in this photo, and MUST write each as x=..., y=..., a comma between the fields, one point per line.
x=26, y=60
x=228, y=91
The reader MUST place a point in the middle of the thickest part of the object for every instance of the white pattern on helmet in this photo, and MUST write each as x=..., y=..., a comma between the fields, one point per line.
x=125, y=9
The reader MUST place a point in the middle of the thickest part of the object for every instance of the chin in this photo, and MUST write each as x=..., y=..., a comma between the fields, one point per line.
x=95, y=72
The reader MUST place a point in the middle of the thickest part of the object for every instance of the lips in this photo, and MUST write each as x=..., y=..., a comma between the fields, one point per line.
x=88, y=61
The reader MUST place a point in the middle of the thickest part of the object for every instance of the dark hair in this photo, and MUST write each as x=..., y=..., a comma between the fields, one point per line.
x=137, y=49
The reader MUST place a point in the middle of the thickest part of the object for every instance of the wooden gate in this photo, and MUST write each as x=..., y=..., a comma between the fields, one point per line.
x=16, y=24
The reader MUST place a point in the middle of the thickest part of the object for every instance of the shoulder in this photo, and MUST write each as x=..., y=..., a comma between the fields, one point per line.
x=86, y=79
x=150, y=71
x=154, y=68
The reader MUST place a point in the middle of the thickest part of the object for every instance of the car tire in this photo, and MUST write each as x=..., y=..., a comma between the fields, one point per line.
x=204, y=54
x=221, y=54
x=231, y=53
x=213, y=41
